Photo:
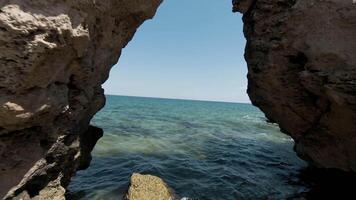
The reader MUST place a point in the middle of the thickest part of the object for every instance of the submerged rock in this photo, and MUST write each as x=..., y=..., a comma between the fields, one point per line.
x=148, y=187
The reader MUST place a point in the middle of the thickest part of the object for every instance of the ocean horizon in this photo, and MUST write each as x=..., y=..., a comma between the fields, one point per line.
x=183, y=99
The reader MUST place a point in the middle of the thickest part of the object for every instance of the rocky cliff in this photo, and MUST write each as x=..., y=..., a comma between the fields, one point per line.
x=54, y=56
x=302, y=73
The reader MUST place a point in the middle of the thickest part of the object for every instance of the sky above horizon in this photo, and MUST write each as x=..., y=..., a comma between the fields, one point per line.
x=190, y=50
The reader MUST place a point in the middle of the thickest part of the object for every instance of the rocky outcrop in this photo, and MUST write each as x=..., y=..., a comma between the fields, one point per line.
x=302, y=73
x=148, y=187
x=54, y=56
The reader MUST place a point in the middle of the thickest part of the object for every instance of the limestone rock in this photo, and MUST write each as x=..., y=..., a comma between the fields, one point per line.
x=148, y=187
x=54, y=57
x=55, y=54
x=302, y=74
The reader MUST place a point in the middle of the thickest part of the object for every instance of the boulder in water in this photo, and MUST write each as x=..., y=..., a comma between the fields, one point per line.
x=148, y=187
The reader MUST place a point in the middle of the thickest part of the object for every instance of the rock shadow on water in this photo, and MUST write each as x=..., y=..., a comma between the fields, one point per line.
x=328, y=184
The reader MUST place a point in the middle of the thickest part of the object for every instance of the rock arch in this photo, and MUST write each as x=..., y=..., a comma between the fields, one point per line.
x=55, y=55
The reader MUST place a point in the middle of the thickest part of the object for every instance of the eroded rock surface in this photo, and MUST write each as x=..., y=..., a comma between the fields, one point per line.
x=148, y=187
x=54, y=56
x=302, y=73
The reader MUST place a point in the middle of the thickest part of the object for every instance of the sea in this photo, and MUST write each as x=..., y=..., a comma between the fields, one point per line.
x=203, y=150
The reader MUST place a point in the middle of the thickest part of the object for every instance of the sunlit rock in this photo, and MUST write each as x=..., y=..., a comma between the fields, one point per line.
x=148, y=187
x=54, y=56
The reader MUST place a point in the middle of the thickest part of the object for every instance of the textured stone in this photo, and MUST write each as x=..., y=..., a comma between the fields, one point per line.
x=54, y=56
x=302, y=74
x=242, y=5
x=148, y=187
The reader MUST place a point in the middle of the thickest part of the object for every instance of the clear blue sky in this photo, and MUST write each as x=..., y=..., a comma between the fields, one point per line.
x=192, y=49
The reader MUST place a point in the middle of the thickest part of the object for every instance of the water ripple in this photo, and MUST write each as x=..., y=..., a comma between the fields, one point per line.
x=203, y=150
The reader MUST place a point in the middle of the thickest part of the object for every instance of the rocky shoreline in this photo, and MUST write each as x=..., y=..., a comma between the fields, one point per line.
x=55, y=55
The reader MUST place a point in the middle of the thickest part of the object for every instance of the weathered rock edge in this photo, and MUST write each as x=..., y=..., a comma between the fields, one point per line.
x=302, y=73
x=54, y=56
x=148, y=187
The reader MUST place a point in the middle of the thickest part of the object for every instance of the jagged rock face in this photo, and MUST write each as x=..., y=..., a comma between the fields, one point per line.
x=302, y=73
x=54, y=56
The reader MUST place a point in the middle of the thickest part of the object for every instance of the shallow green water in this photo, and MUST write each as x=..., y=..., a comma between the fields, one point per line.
x=203, y=150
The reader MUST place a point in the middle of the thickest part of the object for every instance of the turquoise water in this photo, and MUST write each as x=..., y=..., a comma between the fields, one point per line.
x=203, y=150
